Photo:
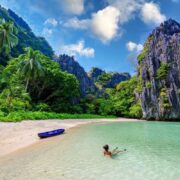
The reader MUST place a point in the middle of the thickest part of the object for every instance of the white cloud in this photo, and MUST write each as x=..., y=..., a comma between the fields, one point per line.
x=47, y=32
x=133, y=47
x=73, y=6
x=78, y=49
x=151, y=14
x=104, y=23
x=51, y=21
x=126, y=8
x=77, y=24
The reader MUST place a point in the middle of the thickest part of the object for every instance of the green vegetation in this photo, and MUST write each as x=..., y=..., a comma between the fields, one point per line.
x=143, y=54
x=148, y=84
x=32, y=86
x=8, y=37
x=22, y=115
x=25, y=36
x=164, y=99
x=35, y=81
x=119, y=101
x=103, y=80
x=139, y=86
x=163, y=92
x=179, y=91
x=162, y=72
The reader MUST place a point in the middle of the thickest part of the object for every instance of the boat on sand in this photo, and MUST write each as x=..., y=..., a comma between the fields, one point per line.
x=51, y=133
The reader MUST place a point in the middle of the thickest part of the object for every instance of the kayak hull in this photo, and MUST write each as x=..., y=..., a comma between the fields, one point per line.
x=51, y=133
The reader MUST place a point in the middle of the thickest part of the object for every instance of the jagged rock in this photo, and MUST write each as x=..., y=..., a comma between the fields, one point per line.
x=95, y=73
x=159, y=73
x=104, y=79
x=68, y=64
x=116, y=78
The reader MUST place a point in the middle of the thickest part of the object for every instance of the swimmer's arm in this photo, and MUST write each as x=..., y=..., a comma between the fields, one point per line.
x=116, y=152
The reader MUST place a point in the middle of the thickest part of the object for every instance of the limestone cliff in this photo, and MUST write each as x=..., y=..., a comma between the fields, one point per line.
x=159, y=73
x=68, y=64
x=104, y=79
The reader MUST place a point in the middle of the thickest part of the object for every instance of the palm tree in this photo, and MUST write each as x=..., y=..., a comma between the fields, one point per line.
x=8, y=38
x=30, y=65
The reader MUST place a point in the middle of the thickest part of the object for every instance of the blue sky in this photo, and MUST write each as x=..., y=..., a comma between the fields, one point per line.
x=106, y=33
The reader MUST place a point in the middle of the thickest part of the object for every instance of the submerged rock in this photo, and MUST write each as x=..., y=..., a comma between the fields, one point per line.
x=159, y=73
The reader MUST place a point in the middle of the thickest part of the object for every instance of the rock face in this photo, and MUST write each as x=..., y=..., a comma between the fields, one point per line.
x=159, y=73
x=105, y=79
x=116, y=78
x=95, y=73
x=68, y=64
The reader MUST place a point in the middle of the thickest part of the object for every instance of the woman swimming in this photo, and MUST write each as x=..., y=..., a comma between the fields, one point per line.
x=109, y=153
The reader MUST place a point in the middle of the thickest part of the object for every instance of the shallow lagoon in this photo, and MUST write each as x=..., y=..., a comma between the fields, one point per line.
x=153, y=150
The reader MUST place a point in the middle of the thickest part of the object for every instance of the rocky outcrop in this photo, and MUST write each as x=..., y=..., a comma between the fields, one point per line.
x=104, y=79
x=159, y=73
x=116, y=78
x=68, y=64
x=95, y=73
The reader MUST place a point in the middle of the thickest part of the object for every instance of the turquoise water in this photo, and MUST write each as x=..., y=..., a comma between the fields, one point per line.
x=153, y=153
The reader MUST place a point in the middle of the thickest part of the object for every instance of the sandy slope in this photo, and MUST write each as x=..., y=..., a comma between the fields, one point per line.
x=14, y=136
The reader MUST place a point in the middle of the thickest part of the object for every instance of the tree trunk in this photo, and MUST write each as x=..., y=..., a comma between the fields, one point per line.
x=27, y=84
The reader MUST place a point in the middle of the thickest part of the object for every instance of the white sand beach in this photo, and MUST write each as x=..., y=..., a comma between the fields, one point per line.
x=15, y=136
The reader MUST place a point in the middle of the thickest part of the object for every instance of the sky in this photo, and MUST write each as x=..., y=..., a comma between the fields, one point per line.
x=108, y=34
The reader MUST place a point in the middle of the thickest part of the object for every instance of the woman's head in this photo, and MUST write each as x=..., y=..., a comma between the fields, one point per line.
x=106, y=147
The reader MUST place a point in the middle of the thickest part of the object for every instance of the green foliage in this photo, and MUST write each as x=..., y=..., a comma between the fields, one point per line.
x=142, y=56
x=30, y=65
x=22, y=115
x=14, y=98
x=166, y=105
x=148, y=84
x=25, y=36
x=119, y=102
x=162, y=72
x=103, y=79
x=53, y=87
x=164, y=99
x=41, y=107
x=125, y=102
x=163, y=92
x=179, y=91
x=8, y=37
x=145, y=50
x=32, y=86
x=139, y=85
x=136, y=110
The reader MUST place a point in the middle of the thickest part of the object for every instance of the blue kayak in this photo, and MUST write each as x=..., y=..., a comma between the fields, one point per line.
x=51, y=133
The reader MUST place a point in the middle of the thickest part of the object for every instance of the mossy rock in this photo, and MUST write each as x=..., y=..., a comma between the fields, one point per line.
x=179, y=91
x=166, y=105
x=148, y=85
x=163, y=70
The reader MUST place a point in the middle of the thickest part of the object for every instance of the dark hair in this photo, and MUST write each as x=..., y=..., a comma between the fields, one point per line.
x=106, y=147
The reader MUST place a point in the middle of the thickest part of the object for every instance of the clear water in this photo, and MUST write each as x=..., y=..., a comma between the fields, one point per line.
x=153, y=153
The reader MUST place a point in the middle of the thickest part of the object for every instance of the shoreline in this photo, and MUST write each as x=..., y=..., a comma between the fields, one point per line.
x=20, y=135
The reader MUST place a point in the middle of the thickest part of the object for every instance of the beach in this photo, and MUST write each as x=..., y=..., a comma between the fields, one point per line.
x=15, y=136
